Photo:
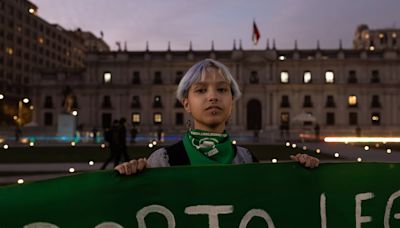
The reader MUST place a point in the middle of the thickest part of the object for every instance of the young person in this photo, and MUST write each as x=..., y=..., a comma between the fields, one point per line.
x=207, y=92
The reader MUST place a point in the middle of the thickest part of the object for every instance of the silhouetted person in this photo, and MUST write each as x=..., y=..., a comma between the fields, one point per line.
x=94, y=132
x=316, y=130
x=123, y=149
x=134, y=132
x=18, y=133
x=159, y=133
x=111, y=136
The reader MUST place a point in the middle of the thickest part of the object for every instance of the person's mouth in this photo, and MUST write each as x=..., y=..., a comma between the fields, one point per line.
x=213, y=108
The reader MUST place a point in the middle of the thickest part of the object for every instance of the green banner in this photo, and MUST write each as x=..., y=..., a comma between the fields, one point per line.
x=254, y=195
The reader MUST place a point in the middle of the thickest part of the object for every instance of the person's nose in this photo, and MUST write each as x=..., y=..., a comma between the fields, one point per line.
x=213, y=95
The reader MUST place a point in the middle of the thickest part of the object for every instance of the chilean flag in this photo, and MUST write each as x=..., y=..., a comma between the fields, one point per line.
x=256, y=34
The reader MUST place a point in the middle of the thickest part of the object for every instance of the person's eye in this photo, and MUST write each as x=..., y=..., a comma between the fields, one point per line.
x=200, y=90
x=222, y=90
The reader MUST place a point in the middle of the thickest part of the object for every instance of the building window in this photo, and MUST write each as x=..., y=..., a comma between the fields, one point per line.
x=178, y=104
x=48, y=118
x=330, y=102
x=106, y=102
x=330, y=118
x=48, y=102
x=307, y=102
x=376, y=118
x=329, y=77
x=284, y=77
x=157, y=103
x=157, y=78
x=136, y=118
x=179, y=118
x=352, y=77
x=136, y=78
x=352, y=101
x=135, y=102
x=375, y=101
x=157, y=118
x=178, y=77
x=375, y=77
x=254, y=77
x=285, y=101
x=285, y=118
x=107, y=77
x=353, y=118
x=307, y=77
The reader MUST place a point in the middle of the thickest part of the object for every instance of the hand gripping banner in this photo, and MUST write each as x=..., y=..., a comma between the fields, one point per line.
x=254, y=195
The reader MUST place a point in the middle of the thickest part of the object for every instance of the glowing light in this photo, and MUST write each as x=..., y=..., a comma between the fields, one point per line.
x=294, y=145
x=282, y=57
x=388, y=151
x=20, y=181
x=24, y=140
x=25, y=100
x=71, y=170
x=15, y=117
x=274, y=160
x=5, y=146
x=371, y=48
x=74, y=113
x=336, y=155
x=234, y=142
x=304, y=148
x=384, y=140
x=150, y=145
x=91, y=163
x=103, y=145
x=359, y=159
x=377, y=145
x=287, y=144
x=31, y=107
x=154, y=142
x=73, y=143
x=31, y=10
x=318, y=150
x=1, y=96
x=366, y=147
x=31, y=144
x=9, y=51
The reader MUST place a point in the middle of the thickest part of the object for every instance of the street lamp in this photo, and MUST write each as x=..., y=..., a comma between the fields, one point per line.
x=1, y=96
x=20, y=103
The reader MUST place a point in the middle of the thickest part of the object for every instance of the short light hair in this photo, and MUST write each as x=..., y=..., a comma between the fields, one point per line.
x=196, y=73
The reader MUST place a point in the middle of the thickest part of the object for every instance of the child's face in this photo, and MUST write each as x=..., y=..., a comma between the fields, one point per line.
x=210, y=102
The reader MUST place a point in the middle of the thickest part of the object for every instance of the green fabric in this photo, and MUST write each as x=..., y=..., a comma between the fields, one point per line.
x=289, y=193
x=205, y=147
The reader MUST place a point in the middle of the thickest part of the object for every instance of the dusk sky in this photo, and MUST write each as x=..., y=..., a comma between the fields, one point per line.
x=182, y=21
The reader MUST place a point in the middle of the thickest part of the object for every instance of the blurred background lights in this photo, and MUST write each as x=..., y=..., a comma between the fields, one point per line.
x=103, y=145
x=91, y=163
x=20, y=181
x=287, y=143
x=154, y=142
x=336, y=155
x=294, y=145
x=150, y=145
x=74, y=113
x=71, y=170
x=366, y=147
x=318, y=150
x=388, y=151
x=359, y=159
x=274, y=160
x=31, y=143
x=5, y=146
x=234, y=142
x=304, y=148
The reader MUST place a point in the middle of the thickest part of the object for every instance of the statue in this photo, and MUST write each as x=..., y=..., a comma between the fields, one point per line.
x=68, y=101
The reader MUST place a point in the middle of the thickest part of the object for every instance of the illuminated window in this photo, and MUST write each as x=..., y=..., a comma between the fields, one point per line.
x=107, y=77
x=329, y=77
x=136, y=118
x=284, y=77
x=157, y=118
x=352, y=101
x=40, y=40
x=307, y=77
x=9, y=51
x=376, y=118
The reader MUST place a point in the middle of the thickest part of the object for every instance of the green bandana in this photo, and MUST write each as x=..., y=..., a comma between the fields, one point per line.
x=205, y=147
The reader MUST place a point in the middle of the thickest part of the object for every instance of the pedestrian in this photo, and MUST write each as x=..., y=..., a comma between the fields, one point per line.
x=207, y=92
x=94, y=132
x=159, y=134
x=316, y=131
x=112, y=138
x=122, y=145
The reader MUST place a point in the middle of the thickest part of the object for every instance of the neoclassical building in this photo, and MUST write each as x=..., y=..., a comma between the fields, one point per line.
x=338, y=89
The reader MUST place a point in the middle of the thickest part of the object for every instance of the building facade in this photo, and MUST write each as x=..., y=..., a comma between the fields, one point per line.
x=340, y=90
x=29, y=44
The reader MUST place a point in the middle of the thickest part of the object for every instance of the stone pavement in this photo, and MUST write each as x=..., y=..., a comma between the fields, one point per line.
x=42, y=171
